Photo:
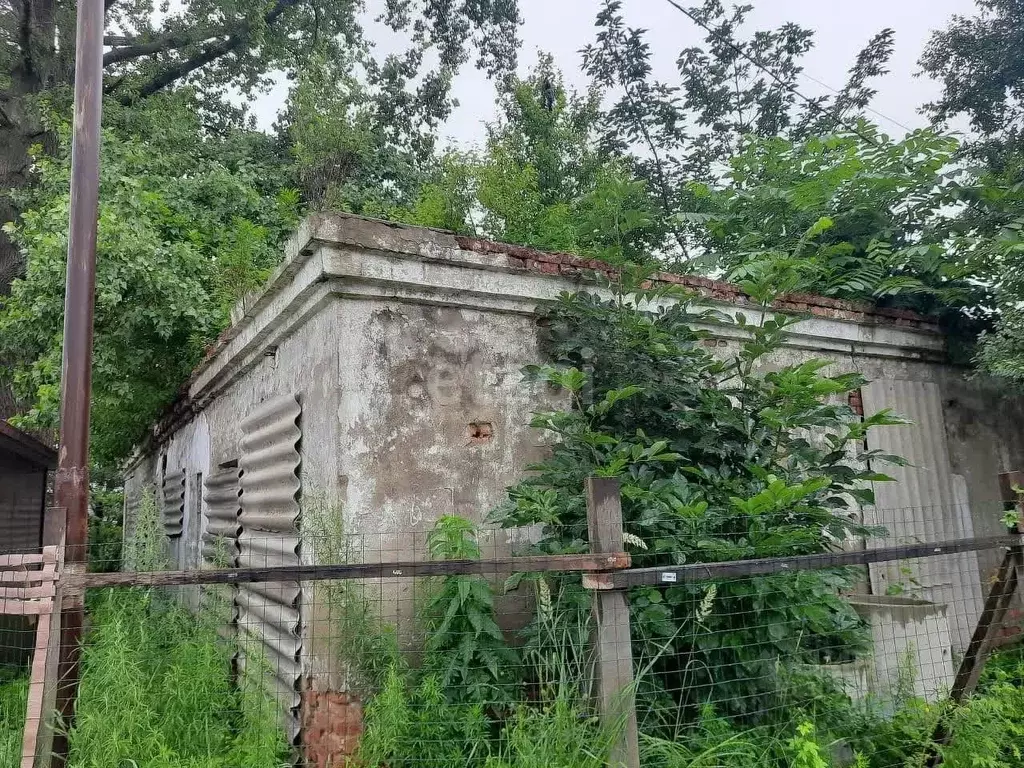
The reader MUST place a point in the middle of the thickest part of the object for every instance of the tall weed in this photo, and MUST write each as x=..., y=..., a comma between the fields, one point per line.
x=13, y=700
x=356, y=636
x=156, y=692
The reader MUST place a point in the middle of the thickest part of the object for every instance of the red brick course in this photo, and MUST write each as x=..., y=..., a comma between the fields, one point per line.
x=568, y=265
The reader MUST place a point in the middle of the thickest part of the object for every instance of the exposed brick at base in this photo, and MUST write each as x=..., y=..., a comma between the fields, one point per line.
x=332, y=725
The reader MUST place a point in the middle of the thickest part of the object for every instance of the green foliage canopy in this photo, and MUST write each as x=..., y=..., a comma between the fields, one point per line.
x=978, y=60
x=852, y=215
x=188, y=223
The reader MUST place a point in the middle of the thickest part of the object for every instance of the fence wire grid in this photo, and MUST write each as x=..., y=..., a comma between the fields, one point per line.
x=451, y=654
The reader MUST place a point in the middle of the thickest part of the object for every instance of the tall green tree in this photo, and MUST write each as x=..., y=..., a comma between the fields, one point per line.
x=358, y=137
x=852, y=215
x=216, y=47
x=187, y=224
x=731, y=86
x=542, y=171
x=980, y=62
x=214, y=51
x=542, y=178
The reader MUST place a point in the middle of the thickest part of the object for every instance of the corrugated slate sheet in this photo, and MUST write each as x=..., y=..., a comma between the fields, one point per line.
x=222, y=496
x=922, y=506
x=22, y=496
x=269, y=613
x=173, y=507
x=222, y=526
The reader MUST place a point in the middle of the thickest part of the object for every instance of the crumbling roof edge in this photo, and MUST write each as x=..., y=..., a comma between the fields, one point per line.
x=25, y=446
x=339, y=229
x=554, y=263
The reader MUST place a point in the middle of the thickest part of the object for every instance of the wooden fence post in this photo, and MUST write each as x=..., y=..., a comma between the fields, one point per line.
x=615, y=690
x=54, y=529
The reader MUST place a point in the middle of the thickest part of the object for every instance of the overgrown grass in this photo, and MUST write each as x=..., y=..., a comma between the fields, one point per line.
x=415, y=725
x=156, y=692
x=13, y=699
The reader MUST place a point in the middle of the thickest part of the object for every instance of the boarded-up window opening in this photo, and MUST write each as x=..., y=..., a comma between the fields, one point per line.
x=173, y=507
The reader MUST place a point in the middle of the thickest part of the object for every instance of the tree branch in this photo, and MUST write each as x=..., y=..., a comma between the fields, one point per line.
x=209, y=54
x=113, y=85
x=130, y=48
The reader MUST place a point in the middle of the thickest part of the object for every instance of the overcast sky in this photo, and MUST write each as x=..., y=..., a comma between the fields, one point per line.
x=563, y=27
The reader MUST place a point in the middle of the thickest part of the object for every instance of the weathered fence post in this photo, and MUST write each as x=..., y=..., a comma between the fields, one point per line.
x=54, y=532
x=614, y=643
x=1007, y=582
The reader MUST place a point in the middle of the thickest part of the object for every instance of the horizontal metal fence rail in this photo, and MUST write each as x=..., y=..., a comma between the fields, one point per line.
x=611, y=571
x=557, y=563
x=696, y=572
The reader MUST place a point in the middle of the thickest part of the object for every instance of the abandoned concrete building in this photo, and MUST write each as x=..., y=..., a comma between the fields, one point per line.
x=380, y=367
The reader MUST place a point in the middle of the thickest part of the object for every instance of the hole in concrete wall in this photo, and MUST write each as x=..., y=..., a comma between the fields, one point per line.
x=856, y=402
x=480, y=431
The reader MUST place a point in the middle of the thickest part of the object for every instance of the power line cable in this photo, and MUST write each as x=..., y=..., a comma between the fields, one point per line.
x=792, y=88
x=778, y=79
x=970, y=204
x=872, y=110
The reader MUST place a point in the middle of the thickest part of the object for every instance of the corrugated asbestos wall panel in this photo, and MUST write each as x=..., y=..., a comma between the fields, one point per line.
x=269, y=613
x=22, y=498
x=173, y=507
x=923, y=505
x=22, y=493
x=222, y=496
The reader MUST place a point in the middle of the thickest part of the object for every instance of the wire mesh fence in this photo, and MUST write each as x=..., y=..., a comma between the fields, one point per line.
x=451, y=645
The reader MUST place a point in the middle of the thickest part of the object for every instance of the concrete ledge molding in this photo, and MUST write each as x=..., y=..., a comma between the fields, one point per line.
x=335, y=256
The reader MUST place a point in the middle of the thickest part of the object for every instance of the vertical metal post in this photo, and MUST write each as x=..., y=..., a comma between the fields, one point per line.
x=71, y=484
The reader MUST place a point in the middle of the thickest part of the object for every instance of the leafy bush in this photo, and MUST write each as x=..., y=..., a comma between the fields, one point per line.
x=720, y=458
x=988, y=731
x=106, y=507
x=465, y=647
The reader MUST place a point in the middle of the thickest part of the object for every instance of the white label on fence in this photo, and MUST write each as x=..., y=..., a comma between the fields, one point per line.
x=668, y=576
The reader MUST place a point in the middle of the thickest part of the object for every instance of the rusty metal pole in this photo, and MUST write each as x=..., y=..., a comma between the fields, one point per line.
x=71, y=485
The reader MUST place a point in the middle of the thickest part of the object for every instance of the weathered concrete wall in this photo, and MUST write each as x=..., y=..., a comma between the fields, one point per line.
x=304, y=363
x=433, y=417
x=985, y=434
x=405, y=347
